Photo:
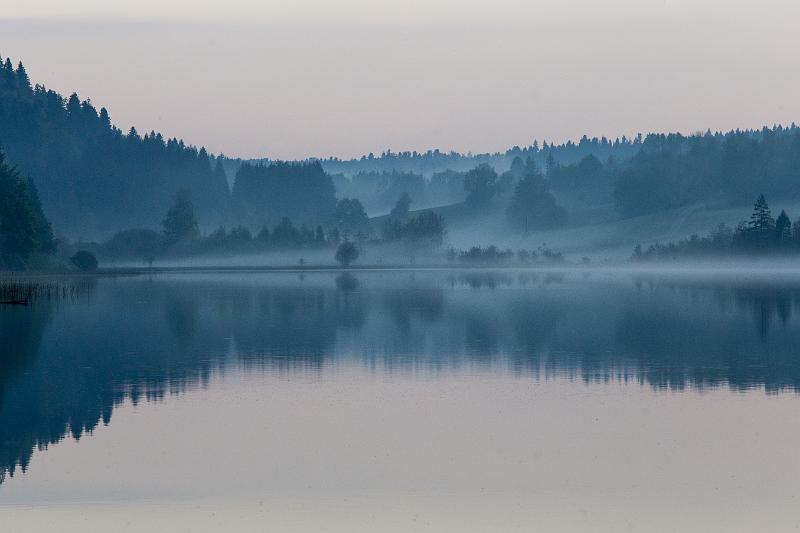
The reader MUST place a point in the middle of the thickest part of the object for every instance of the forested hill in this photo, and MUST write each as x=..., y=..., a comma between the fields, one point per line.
x=92, y=178
x=434, y=161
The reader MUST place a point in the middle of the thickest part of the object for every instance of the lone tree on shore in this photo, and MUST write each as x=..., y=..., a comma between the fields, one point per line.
x=346, y=253
x=84, y=261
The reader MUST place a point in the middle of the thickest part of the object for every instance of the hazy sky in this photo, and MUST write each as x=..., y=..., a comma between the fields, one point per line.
x=317, y=78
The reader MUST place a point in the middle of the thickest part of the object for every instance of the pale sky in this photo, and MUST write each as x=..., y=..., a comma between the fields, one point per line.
x=317, y=78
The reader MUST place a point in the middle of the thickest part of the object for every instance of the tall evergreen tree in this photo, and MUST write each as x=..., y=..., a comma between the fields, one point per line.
x=761, y=220
x=783, y=229
x=24, y=231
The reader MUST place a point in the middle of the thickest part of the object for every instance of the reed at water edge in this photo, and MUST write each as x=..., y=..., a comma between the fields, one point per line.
x=22, y=290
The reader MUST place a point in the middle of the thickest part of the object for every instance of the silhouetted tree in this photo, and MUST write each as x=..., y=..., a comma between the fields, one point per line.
x=285, y=235
x=393, y=224
x=533, y=206
x=319, y=236
x=24, y=230
x=180, y=223
x=783, y=230
x=551, y=164
x=400, y=209
x=761, y=220
x=427, y=229
x=480, y=185
x=350, y=215
x=84, y=261
x=346, y=253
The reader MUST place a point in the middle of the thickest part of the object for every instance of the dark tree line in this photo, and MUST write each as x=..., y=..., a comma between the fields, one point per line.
x=425, y=230
x=532, y=205
x=379, y=190
x=761, y=235
x=266, y=193
x=492, y=256
x=433, y=161
x=25, y=233
x=180, y=237
x=92, y=177
x=672, y=170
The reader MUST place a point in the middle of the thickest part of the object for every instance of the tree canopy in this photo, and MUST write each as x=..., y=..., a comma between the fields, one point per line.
x=479, y=183
x=93, y=178
x=346, y=253
x=350, y=216
x=180, y=223
x=24, y=230
x=263, y=194
x=533, y=206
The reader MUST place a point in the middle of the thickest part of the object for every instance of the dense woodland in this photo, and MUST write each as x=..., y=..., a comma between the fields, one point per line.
x=643, y=176
x=26, y=238
x=671, y=171
x=92, y=177
x=94, y=182
x=264, y=194
x=433, y=161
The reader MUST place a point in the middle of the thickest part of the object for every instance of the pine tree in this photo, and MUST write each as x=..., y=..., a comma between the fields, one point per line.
x=23, y=82
x=74, y=107
x=23, y=227
x=550, y=163
x=105, y=120
x=219, y=172
x=319, y=236
x=480, y=184
x=761, y=225
x=783, y=229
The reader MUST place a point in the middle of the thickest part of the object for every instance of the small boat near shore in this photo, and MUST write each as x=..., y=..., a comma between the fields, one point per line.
x=15, y=302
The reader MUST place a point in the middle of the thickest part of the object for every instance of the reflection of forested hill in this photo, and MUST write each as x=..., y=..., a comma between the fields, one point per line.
x=66, y=365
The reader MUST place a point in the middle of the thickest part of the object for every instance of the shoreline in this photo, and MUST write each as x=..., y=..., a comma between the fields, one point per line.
x=727, y=269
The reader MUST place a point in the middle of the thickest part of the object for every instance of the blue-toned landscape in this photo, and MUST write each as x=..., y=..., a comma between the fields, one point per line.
x=307, y=397
x=399, y=266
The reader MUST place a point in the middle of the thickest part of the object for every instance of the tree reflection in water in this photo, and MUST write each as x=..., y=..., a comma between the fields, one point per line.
x=66, y=365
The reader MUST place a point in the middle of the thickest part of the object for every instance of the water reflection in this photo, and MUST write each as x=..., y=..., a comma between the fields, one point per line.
x=65, y=366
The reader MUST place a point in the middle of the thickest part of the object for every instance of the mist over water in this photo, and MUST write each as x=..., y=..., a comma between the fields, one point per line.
x=446, y=266
x=372, y=362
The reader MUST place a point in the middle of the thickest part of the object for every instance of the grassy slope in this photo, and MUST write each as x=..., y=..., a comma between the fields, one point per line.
x=593, y=231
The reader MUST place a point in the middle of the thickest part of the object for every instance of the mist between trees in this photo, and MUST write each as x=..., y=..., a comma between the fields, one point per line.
x=108, y=192
x=760, y=236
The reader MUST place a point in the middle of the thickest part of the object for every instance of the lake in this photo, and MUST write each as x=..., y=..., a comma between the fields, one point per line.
x=435, y=400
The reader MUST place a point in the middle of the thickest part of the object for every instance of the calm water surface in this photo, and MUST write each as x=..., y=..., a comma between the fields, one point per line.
x=404, y=401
